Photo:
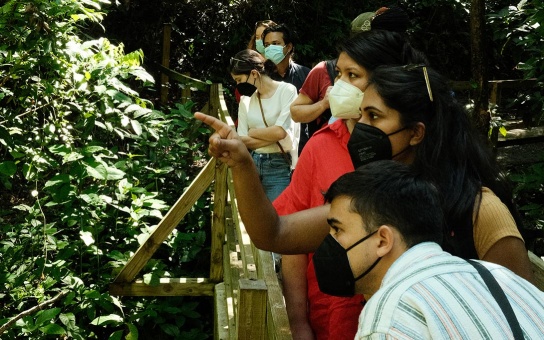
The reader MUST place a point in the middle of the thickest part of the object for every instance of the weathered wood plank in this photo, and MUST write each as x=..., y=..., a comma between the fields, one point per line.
x=214, y=100
x=185, y=91
x=218, y=223
x=464, y=85
x=229, y=293
x=277, y=320
x=185, y=80
x=244, y=242
x=538, y=270
x=221, y=315
x=168, y=223
x=521, y=136
x=166, y=287
x=251, y=310
x=224, y=111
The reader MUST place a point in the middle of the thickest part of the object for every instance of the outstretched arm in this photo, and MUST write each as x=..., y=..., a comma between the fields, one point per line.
x=297, y=233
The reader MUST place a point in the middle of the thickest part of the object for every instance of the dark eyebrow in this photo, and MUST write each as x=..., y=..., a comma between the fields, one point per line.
x=332, y=221
x=367, y=108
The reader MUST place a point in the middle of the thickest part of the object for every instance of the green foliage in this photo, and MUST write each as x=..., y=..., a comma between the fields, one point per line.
x=88, y=168
x=530, y=194
x=519, y=31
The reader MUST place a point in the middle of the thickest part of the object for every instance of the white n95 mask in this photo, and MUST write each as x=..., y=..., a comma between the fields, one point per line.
x=345, y=100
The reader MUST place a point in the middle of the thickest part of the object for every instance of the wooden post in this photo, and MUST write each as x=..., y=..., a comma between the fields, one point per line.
x=186, y=90
x=214, y=104
x=538, y=270
x=251, y=323
x=218, y=223
x=478, y=61
x=167, y=31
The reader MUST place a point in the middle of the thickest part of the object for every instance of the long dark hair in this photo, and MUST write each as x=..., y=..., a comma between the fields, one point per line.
x=248, y=60
x=251, y=45
x=453, y=154
x=373, y=48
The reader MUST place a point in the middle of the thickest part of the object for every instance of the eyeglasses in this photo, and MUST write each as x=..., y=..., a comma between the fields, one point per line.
x=265, y=23
x=235, y=61
x=425, y=74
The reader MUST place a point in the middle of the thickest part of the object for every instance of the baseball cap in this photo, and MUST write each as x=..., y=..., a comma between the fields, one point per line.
x=362, y=22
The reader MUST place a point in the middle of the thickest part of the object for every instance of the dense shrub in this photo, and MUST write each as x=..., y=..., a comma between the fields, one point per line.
x=88, y=168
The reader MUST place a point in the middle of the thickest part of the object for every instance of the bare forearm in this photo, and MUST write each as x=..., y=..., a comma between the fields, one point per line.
x=271, y=133
x=259, y=216
x=297, y=233
x=255, y=143
x=305, y=113
x=295, y=290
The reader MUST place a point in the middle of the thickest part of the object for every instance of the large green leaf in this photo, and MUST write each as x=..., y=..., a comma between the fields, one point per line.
x=111, y=319
x=8, y=168
x=53, y=329
x=47, y=315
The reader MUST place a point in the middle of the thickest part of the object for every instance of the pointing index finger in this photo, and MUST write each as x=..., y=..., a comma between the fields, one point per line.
x=220, y=127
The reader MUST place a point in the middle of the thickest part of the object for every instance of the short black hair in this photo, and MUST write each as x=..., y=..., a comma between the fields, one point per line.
x=282, y=28
x=392, y=193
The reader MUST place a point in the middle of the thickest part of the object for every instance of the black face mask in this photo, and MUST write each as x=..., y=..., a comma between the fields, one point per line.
x=332, y=269
x=246, y=89
x=368, y=144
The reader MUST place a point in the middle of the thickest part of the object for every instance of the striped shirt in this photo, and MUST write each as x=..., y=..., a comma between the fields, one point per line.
x=430, y=294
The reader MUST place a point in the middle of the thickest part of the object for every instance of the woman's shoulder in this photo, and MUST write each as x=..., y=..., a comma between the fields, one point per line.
x=286, y=90
x=488, y=197
x=284, y=86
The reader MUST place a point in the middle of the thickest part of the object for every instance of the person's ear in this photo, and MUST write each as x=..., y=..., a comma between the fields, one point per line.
x=386, y=238
x=290, y=48
x=418, y=133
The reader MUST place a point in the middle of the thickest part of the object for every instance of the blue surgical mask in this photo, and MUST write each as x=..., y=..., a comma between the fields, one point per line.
x=259, y=46
x=274, y=53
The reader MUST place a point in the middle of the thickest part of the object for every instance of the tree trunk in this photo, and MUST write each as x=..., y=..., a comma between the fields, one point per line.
x=481, y=113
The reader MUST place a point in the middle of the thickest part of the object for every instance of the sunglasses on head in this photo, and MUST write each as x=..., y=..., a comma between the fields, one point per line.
x=425, y=74
x=263, y=23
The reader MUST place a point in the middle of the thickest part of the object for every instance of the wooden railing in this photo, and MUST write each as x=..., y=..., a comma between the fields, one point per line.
x=248, y=297
x=496, y=87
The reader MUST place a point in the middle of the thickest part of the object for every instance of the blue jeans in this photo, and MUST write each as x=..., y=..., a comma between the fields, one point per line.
x=274, y=171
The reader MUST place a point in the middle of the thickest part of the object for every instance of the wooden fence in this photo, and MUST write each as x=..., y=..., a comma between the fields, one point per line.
x=248, y=298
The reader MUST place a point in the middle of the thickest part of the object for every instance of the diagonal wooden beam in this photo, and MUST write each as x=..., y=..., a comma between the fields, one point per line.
x=168, y=223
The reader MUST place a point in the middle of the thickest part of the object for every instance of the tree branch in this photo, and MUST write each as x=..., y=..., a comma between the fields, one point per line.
x=41, y=306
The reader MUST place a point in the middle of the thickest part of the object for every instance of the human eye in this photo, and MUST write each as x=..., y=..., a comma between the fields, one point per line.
x=353, y=75
x=373, y=116
x=335, y=230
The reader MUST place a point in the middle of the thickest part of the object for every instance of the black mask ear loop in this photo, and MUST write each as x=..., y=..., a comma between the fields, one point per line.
x=362, y=240
x=403, y=150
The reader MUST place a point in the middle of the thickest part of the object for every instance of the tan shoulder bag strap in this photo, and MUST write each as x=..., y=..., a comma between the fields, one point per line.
x=266, y=124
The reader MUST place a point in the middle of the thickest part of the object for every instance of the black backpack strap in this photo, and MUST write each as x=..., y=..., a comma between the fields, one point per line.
x=500, y=297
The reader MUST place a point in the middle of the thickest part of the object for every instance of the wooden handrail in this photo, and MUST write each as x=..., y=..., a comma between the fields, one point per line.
x=184, y=80
x=168, y=223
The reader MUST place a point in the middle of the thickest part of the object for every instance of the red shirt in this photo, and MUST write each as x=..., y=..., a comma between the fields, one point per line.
x=316, y=84
x=324, y=158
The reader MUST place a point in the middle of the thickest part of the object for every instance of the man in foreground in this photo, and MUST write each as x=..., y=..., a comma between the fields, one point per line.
x=386, y=224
